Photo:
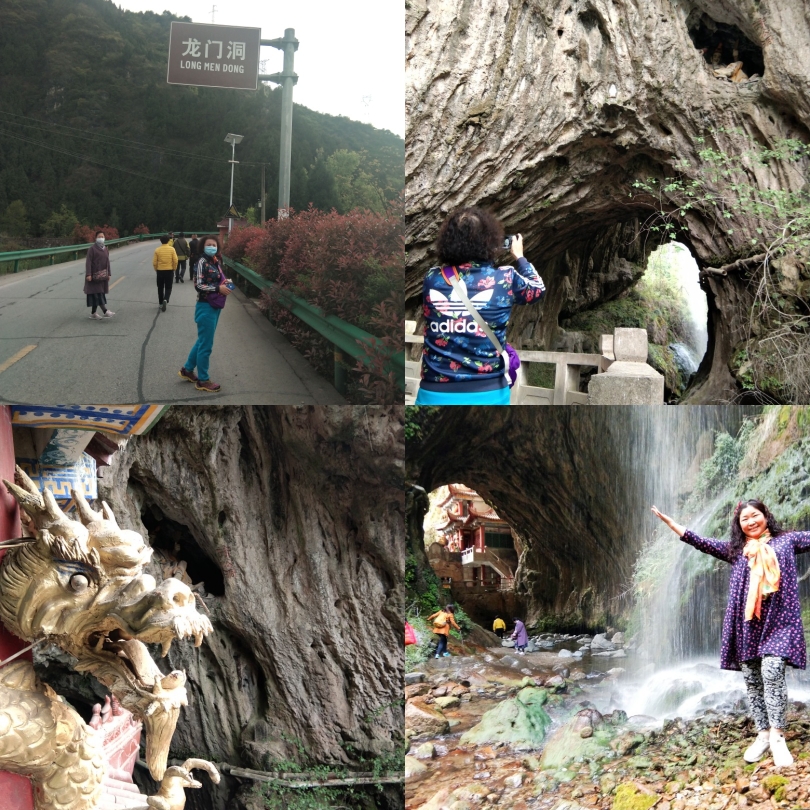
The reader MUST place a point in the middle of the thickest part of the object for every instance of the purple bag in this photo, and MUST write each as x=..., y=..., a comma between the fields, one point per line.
x=514, y=364
x=217, y=299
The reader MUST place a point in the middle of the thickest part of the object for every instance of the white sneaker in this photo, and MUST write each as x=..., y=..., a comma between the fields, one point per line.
x=758, y=748
x=109, y=313
x=94, y=316
x=779, y=750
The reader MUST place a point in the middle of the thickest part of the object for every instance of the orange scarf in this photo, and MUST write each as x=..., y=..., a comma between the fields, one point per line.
x=765, y=574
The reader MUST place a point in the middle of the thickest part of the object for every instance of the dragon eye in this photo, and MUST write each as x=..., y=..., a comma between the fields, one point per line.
x=79, y=583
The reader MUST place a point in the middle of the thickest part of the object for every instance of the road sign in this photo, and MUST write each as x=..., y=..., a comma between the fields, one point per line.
x=214, y=55
x=233, y=213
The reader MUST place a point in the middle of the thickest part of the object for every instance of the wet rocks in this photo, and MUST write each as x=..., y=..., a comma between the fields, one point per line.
x=448, y=702
x=422, y=719
x=520, y=721
x=414, y=769
x=414, y=677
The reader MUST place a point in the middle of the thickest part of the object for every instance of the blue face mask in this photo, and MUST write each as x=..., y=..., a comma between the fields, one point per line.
x=210, y=250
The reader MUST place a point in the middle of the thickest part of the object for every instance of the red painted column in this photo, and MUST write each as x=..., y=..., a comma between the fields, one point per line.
x=15, y=790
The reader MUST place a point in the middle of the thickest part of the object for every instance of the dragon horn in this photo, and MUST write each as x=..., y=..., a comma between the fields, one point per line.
x=108, y=513
x=202, y=765
x=24, y=481
x=31, y=503
x=86, y=514
x=51, y=506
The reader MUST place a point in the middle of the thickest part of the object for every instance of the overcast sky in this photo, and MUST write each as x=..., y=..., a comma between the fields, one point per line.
x=349, y=50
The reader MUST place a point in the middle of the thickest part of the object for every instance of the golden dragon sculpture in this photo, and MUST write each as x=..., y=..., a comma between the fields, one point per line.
x=80, y=584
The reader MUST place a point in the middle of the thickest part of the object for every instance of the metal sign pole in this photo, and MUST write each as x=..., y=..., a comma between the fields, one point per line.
x=287, y=79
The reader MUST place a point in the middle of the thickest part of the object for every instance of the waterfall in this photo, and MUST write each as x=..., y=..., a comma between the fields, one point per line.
x=677, y=258
x=680, y=593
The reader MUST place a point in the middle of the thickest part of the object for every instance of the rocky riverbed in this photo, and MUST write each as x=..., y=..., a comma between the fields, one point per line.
x=498, y=729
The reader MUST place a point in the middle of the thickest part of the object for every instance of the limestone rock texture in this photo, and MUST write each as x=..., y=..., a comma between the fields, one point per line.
x=293, y=520
x=575, y=483
x=548, y=112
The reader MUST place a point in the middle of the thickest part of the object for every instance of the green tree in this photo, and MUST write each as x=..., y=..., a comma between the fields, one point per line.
x=354, y=187
x=60, y=223
x=15, y=221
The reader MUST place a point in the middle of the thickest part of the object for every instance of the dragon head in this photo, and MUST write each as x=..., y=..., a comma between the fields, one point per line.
x=80, y=585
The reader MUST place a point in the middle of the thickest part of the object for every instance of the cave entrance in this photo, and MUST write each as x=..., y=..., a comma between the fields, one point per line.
x=679, y=312
x=723, y=45
x=473, y=551
x=179, y=554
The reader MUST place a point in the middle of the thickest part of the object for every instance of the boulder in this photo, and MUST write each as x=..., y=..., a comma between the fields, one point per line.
x=414, y=677
x=520, y=721
x=425, y=751
x=618, y=639
x=414, y=769
x=448, y=702
x=415, y=690
x=423, y=719
x=565, y=654
x=601, y=643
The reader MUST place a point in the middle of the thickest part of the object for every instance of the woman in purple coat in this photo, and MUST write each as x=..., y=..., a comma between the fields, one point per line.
x=762, y=628
x=520, y=636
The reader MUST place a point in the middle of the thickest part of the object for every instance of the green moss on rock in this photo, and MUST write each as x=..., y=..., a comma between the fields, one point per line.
x=520, y=721
x=628, y=797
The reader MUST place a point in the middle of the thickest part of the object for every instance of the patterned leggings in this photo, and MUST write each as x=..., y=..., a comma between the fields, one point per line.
x=767, y=690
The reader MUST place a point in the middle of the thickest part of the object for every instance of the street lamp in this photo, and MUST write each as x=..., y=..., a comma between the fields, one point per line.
x=232, y=140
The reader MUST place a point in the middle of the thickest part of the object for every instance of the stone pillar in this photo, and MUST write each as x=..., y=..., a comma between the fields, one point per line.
x=629, y=380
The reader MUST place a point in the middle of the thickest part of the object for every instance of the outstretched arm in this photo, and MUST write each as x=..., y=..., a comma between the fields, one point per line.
x=708, y=545
x=676, y=527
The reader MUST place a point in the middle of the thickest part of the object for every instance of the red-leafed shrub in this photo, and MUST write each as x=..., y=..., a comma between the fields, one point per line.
x=84, y=233
x=140, y=229
x=241, y=242
x=351, y=266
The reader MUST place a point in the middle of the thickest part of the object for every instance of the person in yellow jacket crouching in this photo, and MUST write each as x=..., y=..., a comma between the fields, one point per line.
x=165, y=263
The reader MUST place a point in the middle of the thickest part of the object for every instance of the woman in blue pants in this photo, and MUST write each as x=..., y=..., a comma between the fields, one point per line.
x=212, y=290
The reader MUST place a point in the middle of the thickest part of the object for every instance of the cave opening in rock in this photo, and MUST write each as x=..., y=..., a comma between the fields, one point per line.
x=680, y=314
x=723, y=44
x=177, y=548
x=473, y=551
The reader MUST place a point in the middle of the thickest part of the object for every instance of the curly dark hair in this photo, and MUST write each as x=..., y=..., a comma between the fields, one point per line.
x=469, y=235
x=738, y=538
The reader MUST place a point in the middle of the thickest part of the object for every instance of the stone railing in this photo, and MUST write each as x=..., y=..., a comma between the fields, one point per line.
x=622, y=374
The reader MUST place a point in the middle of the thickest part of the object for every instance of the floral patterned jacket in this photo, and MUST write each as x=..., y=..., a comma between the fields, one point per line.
x=456, y=350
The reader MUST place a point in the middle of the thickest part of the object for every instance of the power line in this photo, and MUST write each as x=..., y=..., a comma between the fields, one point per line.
x=87, y=135
x=111, y=165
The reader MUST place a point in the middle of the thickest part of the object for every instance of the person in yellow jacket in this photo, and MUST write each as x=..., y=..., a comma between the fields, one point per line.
x=165, y=263
x=499, y=627
x=442, y=620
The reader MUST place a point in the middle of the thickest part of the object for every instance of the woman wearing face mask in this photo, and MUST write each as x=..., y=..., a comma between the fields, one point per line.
x=762, y=628
x=97, y=278
x=212, y=290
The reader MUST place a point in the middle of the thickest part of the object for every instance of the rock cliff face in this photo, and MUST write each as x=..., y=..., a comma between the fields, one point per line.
x=548, y=112
x=293, y=520
x=577, y=485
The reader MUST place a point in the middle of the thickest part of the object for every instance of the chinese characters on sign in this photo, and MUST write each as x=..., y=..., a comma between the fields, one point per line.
x=214, y=55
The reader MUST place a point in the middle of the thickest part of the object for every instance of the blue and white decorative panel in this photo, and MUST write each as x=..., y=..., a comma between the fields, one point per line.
x=125, y=420
x=81, y=476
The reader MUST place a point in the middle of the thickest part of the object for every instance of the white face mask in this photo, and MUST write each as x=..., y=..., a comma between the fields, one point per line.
x=100, y=240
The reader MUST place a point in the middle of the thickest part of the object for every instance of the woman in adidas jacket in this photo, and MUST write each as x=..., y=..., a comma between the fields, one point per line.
x=460, y=364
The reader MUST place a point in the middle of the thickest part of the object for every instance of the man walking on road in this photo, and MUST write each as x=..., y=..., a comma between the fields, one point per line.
x=165, y=263
x=181, y=249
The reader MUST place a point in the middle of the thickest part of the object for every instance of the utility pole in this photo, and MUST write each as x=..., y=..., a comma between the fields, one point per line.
x=232, y=140
x=264, y=197
x=287, y=79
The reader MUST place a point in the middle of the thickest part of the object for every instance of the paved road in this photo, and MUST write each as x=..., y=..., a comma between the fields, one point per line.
x=51, y=352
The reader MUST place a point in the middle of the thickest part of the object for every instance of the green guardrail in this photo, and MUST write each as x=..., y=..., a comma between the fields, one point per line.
x=347, y=339
x=17, y=256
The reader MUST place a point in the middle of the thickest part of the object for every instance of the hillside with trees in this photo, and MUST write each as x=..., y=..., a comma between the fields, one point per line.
x=91, y=132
